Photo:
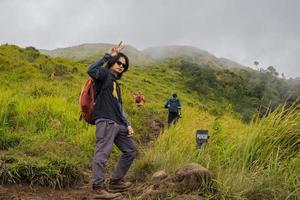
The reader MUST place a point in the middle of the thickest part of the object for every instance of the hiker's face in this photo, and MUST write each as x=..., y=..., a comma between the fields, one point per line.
x=118, y=67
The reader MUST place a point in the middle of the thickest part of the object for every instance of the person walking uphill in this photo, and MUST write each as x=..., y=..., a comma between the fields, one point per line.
x=112, y=127
x=173, y=105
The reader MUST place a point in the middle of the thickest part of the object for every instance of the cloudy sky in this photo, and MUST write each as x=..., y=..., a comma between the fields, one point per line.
x=242, y=30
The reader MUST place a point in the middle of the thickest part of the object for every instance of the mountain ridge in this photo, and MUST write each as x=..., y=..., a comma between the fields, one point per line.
x=147, y=56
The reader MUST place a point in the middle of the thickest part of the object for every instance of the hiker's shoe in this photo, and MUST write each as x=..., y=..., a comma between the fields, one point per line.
x=101, y=193
x=118, y=185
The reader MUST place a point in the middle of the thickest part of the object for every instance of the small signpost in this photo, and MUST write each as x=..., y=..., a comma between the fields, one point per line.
x=201, y=138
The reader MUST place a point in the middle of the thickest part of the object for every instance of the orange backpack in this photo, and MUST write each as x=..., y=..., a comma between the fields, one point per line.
x=87, y=101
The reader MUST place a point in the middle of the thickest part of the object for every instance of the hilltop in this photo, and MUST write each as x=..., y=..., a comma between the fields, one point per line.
x=146, y=56
x=88, y=52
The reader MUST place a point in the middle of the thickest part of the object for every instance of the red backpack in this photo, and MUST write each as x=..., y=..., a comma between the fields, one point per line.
x=87, y=101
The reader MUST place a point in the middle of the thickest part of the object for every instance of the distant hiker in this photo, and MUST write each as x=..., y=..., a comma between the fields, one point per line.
x=173, y=105
x=111, y=124
x=139, y=99
x=52, y=75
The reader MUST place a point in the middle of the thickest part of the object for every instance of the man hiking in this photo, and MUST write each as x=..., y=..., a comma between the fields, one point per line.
x=173, y=105
x=139, y=99
x=112, y=127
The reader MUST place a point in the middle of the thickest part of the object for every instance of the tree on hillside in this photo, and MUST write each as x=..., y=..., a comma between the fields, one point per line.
x=273, y=71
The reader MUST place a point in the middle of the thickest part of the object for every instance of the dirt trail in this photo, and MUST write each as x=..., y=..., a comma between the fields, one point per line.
x=25, y=192
x=186, y=180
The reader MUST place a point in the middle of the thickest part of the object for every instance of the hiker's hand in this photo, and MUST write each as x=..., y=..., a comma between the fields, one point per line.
x=116, y=49
x=130, y=131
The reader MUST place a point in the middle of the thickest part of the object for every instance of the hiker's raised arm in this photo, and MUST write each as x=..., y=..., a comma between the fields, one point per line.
x=96, y=71
x=116, y=49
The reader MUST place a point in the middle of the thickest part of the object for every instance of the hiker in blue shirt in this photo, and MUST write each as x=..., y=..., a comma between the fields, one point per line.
x=173, y=105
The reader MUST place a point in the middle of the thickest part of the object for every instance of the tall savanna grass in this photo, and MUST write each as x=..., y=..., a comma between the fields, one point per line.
x=256, y=161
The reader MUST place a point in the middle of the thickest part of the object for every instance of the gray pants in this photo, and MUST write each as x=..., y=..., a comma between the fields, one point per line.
x=107, y=133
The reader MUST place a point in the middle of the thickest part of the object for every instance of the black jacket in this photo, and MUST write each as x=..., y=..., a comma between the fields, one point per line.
x=108, y=103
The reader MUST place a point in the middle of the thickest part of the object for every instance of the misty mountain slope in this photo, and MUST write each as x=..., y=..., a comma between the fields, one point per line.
x=148, y=56
x=76, y=52
x=192, y=53
x=229, y=63
x=173, y=51
x=93, y=51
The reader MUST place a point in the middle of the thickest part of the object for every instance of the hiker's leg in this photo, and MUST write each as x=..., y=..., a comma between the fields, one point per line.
x=171, y=118
x=176, y=117
x=105, y=135
x=128, y=147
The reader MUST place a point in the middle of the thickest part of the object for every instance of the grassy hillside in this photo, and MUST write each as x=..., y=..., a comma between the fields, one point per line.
x=245, y=90
x=256, y=161
x=218, y=81
x=42, y=142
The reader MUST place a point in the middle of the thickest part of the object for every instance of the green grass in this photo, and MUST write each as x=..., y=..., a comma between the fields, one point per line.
x=256, y=161
x=43, y=142
x=39, y=116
